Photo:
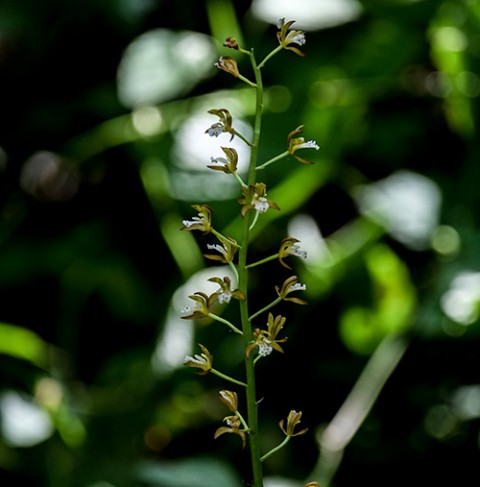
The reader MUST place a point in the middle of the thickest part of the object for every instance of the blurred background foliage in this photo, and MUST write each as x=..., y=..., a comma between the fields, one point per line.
x=103, y=152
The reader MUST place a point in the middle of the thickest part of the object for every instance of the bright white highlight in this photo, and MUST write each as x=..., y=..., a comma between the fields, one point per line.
x=406, y=204
x=461, y=302
x=308, y=14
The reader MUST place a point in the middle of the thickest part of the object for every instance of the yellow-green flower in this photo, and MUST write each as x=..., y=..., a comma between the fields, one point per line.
x=226, y=251
x=229, y=65
x=225, y=293
x=290, y=285
x=201, y=308
x=230, y=399
x=228, y=164
x=266, y=340
x=293, y=420
x=202, y=361
x=231, y=43
x=296, y=143
x=233, y=426
x=289, y=246
x=287, y=37
x=202, y=222
x=223, y=125
x=256, y=199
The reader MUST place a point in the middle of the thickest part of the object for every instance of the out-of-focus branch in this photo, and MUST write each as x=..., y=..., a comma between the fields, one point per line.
x=334, y=438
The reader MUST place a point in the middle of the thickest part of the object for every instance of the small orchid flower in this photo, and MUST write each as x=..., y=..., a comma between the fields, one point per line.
x=293, y=420
x=266, y=340
x=228, y=164
x=223, y=125
x=202, y=222
x=233, y=426
x=226, y=251
x=225, y=293
x=229, y=65
x=230, y=399
x=231, y=43
x=287, y=37
x=201, y=309
x=295, y=143
x=202, y=361
x=234, y=422
x=312, y=484
x=256, y=199
x=288, y=247
x=290, y=285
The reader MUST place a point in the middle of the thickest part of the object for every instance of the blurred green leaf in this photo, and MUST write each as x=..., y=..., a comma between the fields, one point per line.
x=190, y=472
x=22, y=343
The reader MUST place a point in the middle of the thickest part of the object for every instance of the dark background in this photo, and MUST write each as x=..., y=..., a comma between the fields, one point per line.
x=86, y=262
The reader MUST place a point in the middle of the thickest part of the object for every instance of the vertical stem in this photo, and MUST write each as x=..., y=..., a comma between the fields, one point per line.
x=252, y=409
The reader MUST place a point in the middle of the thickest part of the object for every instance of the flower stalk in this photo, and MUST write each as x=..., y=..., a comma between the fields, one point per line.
x=257, y=342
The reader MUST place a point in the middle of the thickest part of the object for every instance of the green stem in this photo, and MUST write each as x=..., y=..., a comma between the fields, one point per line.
x=254, y=221
x=239, y=135
x=252, y=409
x=263, y=261
x=278, y=447
x=239, y=179
x=273, y=159
x=223, y=239
x=246, y=80
x=268, y=56
x=266, y=308
x=227, y=377
x=225, y=322
x=242, y=420
x=234, y=270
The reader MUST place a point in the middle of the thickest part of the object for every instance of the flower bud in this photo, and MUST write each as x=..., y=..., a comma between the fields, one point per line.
x=228, y=64
x=231, y=43
x=230, y=399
